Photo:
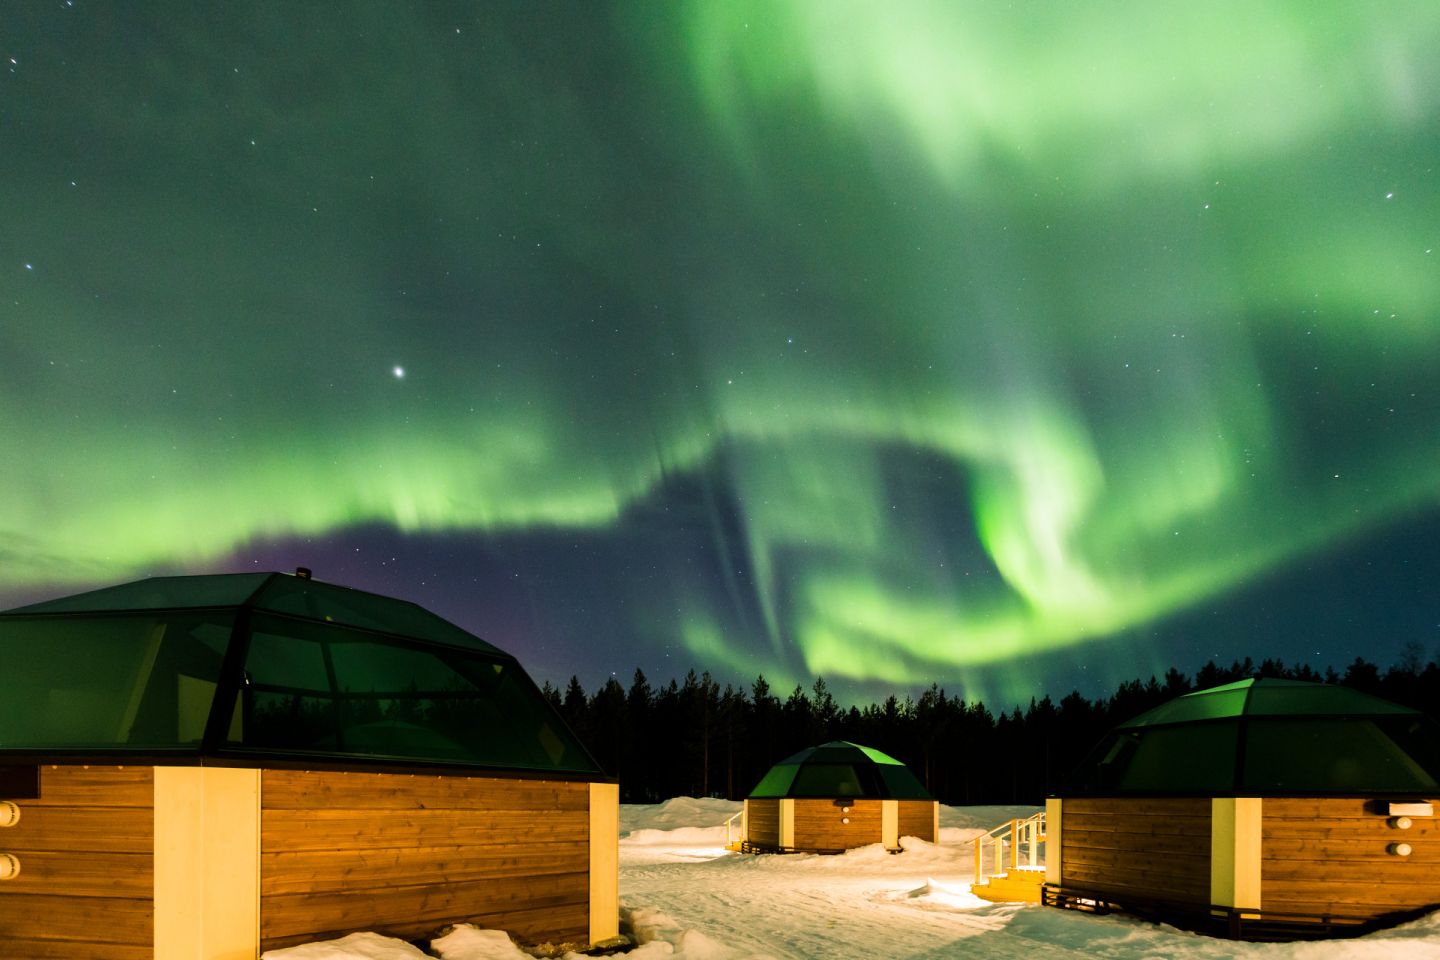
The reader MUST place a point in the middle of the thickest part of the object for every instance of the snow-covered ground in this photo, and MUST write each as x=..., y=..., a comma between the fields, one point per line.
x=683, y=896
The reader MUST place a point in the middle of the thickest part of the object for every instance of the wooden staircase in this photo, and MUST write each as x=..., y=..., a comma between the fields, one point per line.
x=1009, y=864
x=1022, y=886
x=735, y=836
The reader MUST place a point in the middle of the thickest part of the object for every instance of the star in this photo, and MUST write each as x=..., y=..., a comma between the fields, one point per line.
x=399, y=372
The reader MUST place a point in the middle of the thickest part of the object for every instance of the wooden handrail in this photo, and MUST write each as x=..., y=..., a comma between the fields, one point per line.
x=728, y=821
x=1029, y=831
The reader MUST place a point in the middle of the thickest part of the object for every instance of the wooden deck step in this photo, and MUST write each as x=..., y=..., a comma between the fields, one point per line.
x=1018, y=886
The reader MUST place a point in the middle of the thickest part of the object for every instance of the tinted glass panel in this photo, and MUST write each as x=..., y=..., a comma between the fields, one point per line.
x=1310, y=698
x=325, y=601
x=879, y=757
x=1419, y=737
x=320, y=689
x=901, y=784
x=834, y=780
x=777, y=782
x=97, y=682
x=159, y=593
x=276, y=660
x=833, y=753
x=1190, y=759
x=1333, y=756
x=1216, y=704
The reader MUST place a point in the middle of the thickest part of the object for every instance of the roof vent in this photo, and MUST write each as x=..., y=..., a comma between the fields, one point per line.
x=302, y=573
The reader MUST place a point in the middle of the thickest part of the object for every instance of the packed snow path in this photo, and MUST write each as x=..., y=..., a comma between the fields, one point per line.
x=758, y=907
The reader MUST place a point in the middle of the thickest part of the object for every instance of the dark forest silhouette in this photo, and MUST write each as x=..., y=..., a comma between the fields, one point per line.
x=696, y=738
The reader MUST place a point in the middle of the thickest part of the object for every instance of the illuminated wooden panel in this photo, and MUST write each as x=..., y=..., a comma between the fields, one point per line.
x=403, y=854
x=207, y=863
x=604, y=861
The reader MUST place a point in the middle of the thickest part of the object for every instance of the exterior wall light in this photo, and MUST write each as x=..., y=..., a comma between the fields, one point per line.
x=9, y=813
x=1398, y=849
x=9, y=866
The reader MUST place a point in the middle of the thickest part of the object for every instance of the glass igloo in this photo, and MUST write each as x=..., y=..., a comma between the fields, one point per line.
x=268, y=666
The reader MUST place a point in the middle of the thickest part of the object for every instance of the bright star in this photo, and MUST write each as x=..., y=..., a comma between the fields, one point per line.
x=399, y=373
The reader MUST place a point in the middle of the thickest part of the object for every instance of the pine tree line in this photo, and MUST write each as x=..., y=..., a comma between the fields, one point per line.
x=697, y=738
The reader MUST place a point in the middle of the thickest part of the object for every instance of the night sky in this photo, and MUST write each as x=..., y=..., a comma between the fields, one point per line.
x=1012, y=348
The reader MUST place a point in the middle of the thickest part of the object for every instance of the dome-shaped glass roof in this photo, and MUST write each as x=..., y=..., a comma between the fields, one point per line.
x=297, y=596
x=1267, y=697
x=268, y=666
x=1266, y=737
x=840, y=769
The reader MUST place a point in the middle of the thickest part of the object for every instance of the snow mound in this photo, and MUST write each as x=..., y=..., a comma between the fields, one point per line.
x=982, y=819
x=356, y=946
x=959, y=835
x=687, y=836
x=468, y=942
x=960, y=825
x=677, y=812
x=686, y=945
x=934, y=889
x=658, y=935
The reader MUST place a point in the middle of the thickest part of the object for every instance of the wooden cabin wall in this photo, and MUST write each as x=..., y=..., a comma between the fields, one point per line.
x=917, y=819
x=1155, y=847
x=403, y=855
x=762, y=822
x=86, y=852
x=1327, y=857
x=818, y=824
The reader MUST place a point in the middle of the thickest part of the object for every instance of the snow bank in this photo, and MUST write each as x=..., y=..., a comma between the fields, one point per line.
x=464, y=942
x=691, y=836
x=681, y=829
x=676, y=813
x=658, y=935
x=356, y=946
x=468, y=942
x=948, y=895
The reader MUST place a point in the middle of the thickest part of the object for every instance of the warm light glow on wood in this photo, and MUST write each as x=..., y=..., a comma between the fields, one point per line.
x=604, y=861
x=207, y=863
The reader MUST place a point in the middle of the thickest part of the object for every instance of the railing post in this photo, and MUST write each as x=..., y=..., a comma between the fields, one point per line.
x=1014, y=844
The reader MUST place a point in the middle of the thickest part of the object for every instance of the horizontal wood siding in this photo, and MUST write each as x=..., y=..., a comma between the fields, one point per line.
x=1326, y=857
x=1158, y=849
x=405, y=854
x=917, y=819
x=762, y=819
x=86, y=852
x=818, y=824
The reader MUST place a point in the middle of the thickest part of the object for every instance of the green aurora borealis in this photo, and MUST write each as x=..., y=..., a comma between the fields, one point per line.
x=948, y=336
